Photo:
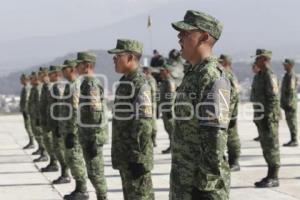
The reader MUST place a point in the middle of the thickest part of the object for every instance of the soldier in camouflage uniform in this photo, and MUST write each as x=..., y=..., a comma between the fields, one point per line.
x=53, y=117
x=132, y=146
x=93, y=132
x=233, y=143
x=288, y=100
x=33, y=107
x=176, y=66
x=46, y=132
x=166, y=100
x=69, y=129
x=199, y=169
x=266, y=114
x=147, y=71
x=255, y=70
x=24, y=109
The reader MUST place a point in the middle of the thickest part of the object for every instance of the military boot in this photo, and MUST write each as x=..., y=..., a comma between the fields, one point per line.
x=168, y=150
x=235, y=167
x=80, y=192
x=271, y=180
x=30, y=145
x=43, y=158
x=62, y=180
x=52, y=167
x=267, y=182
x=292, y=143
x=37, y=152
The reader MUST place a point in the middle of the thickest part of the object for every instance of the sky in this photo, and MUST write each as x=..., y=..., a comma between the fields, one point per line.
x=34, y=31
x=32, y=18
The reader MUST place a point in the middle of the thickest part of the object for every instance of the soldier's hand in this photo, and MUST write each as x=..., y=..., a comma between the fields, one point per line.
x=70, y=141
x=92, y=148
x=137, y=170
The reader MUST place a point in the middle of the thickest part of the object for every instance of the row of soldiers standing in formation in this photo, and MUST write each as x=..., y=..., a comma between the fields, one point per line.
x=197, y=141
x=51, y=108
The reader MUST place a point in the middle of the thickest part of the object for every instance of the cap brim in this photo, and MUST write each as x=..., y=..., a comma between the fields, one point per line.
x=115, y=51
x=265, y=55
x=182, y=26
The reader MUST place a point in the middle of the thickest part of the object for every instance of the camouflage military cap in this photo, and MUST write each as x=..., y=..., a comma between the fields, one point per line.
x=127, y=45
x=263, y=52
x=289, y=61
x=24, y=77
x=33, y=74
x=69, y=63
x=42, y=70
x=194, y=20
x=55, y=68
x=85, y=57
x=225, y=57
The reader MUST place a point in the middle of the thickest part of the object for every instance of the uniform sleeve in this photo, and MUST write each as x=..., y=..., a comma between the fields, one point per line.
x=142, y=126
x=292, y=87
x=214, y=105
x=271, y=91
x=22, y=99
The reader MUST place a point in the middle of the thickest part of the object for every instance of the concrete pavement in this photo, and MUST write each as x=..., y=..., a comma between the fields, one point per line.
x=20, y=178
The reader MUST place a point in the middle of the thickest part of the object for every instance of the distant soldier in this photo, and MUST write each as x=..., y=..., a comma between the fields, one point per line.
x=54, y=98
x=166, y=101
x=288, y=100
x=266, y=114
x=33, y=107
x=132, y=146
x=46, y=131
x=176, y=66
x=24, y=98
x=69, y=129
x=255, y=70
x=93, y=132
x=157, y=60
x=147, y=71
x=199, y=169
x=233, y=143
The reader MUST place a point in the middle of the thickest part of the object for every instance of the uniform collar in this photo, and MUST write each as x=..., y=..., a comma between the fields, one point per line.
x=203, y=62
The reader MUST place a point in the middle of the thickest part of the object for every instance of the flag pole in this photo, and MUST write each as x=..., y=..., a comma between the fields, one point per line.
x=149, y=26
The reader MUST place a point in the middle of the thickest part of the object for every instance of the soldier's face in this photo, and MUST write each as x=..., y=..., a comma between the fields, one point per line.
x=121, y=62
x=189, y=41
x=80, y=68
x=260, y=62
x=287, y=67
x=34, y=81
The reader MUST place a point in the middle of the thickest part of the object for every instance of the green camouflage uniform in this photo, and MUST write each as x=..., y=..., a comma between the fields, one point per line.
x=92, y=133
x=233, y=143
x=33, y=107
x=288, y=102
x=25, y=93
x=202, y=114
x=132, y=146
x=93, y=127
x=167, y=97
x=153, y=85
x=53, y=112
x=198, y=147
x=252, y=97
x=47, y=134
x=265, y=92
x=69, y=130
